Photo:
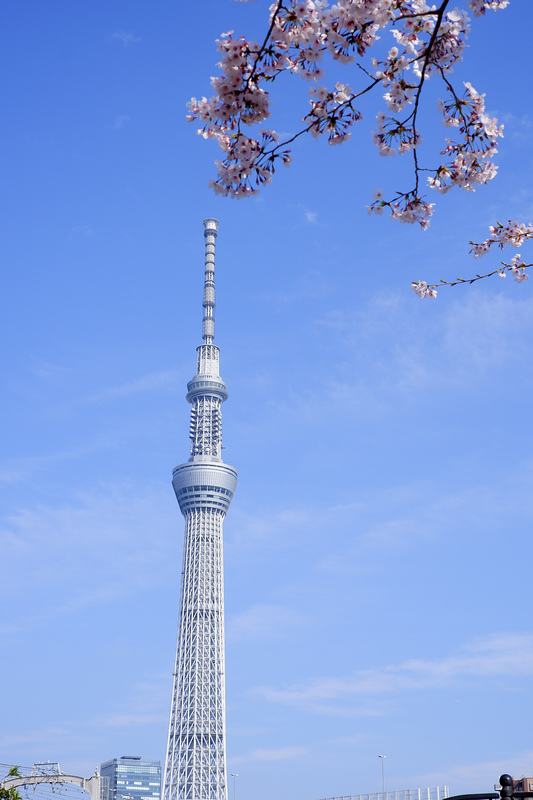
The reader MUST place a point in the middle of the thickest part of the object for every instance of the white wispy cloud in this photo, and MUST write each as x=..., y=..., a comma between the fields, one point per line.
x=120, y=121
x=129, y=719
x=389, y=354
x=309, y=285
x=146, y=704
x=474, y=336
x=263, y=754
x=20, y=469
x=37, y=737
x=473, y=775
x=274, y=525
x=48, y=370
x=496, y=655
x=82, y=231
x=517, y=127
x=126, y=37
x=262, y=621
x=152, y=382
x=118, y=520
x=11, y=475
x=310, y=216
x=392, y=518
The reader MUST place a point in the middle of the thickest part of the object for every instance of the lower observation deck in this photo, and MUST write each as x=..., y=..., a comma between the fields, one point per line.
x=204, y=485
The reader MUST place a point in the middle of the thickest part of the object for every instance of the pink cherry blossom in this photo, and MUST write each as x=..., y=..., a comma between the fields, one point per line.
x=427, y=41
x=512, y=234
x=422, y=289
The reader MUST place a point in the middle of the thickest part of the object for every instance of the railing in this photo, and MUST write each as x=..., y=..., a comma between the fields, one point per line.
x=433, y=793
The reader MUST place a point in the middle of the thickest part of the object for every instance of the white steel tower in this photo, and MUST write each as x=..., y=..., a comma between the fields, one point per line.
x=195, y=766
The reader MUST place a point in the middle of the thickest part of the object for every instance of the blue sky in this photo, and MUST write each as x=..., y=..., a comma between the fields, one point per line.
x=377, y=551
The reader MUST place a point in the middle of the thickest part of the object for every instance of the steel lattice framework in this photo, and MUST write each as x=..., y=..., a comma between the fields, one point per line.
x=195, y=767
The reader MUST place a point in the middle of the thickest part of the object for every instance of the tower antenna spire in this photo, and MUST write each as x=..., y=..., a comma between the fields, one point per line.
x=195, y=767
x=208, y=324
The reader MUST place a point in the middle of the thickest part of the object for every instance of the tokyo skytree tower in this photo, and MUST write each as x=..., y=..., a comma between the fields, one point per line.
x=195, y=767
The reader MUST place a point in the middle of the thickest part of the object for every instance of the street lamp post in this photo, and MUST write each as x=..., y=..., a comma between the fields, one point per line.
x=234, y=775
x=382, y=774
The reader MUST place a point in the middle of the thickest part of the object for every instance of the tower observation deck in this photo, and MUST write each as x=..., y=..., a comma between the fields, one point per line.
x=195, y=767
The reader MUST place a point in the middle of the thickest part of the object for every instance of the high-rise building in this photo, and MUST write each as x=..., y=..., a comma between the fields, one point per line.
x=132, y=778
x=522, y=784
x=195, y=767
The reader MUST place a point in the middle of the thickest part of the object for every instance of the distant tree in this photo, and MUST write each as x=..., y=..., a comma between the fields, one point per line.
x=428, y=41
x=12, y=793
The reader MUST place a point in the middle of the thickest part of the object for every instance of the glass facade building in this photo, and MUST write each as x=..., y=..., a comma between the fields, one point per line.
x=132, y=778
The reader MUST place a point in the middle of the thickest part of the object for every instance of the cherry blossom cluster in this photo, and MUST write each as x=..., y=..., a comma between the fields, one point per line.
x=391, y=133
x=421, y=289
x=331, y=112
x=471, y=165
x=513, y=234
x=478, y=7
x=246, y=166
x=518, y=267
x=408, y=208
x=302, y=36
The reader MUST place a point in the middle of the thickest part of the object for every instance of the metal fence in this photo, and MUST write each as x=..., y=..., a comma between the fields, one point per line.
x=433, y=793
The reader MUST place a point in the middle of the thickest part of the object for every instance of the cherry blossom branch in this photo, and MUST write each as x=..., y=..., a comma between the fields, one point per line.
x=470, y=166
x=423, y=289
x=514, y=234
x=300, y=34
x=261, y=51
x=341, y=90
x=418, y=95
